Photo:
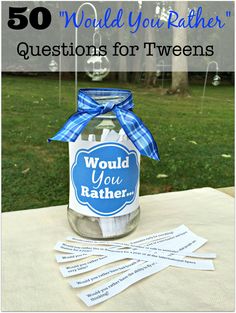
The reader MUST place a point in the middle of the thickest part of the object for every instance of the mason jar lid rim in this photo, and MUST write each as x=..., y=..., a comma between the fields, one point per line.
x=106, y=117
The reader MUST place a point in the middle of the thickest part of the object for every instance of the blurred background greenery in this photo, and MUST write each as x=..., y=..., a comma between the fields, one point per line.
x=196, y=149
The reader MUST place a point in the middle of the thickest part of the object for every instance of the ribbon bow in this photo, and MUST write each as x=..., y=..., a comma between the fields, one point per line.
x=88, y=108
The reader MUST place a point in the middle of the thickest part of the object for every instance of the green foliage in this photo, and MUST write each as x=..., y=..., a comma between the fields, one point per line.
x=35, y=173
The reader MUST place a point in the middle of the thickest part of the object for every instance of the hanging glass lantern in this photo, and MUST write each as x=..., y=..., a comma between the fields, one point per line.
x=140, y=4
x=164, y=15
x=157, y=10
x=158, y=73
x=216, y=80
x=160, y=64
x=53, y=66
x=97, y=67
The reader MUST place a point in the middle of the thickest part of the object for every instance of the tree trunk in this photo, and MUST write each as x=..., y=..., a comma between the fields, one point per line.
x=112, y=76
x=135, y=76
x=150, y=61
x=150, y=79
x=180, y=63
x=122, y=77
x=122, y=74
x=179, y=82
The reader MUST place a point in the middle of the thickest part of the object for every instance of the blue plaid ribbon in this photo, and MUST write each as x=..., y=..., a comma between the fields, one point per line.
x=88, y=108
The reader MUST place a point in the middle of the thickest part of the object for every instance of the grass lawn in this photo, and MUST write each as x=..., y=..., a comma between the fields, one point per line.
x=35, y=173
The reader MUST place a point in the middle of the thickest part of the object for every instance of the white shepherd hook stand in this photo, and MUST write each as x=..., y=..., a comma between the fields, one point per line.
x=54, y=67
x=215, y=82
x=159, y=73
x=97, y=74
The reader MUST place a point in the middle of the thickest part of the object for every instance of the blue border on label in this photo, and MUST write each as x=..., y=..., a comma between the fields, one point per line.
x=95, y=148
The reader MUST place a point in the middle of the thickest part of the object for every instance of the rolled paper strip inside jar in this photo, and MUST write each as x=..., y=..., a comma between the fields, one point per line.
x=104, y=175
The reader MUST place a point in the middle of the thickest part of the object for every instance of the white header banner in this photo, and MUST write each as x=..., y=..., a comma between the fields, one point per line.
x=117, y=36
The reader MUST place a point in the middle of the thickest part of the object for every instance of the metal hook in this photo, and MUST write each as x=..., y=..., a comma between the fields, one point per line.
x=76, y=30
x=94, y=38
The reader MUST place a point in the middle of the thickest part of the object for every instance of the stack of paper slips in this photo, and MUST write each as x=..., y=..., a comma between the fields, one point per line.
x=141, y=258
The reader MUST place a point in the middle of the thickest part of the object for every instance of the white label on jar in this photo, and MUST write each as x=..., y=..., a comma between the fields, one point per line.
x=104, y=178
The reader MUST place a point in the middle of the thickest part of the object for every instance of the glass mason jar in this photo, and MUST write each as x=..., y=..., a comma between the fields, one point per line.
x=102, y=227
